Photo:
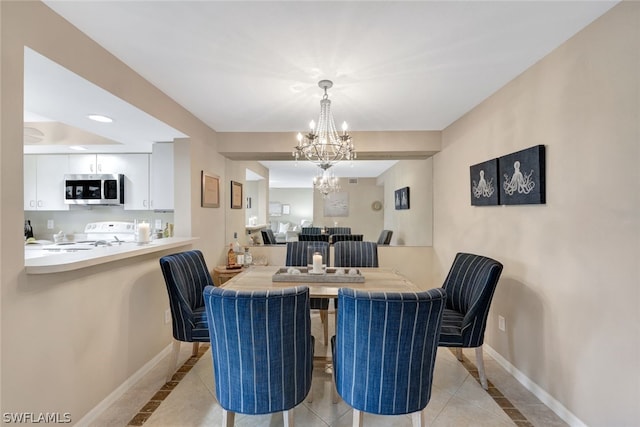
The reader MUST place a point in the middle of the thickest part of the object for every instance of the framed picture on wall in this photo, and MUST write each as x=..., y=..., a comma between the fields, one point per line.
x=484, y=183
x=336, y=204
x=402, y=198
x=522, y=177
x=236, y=195
x=286, y=209
x=209, y=190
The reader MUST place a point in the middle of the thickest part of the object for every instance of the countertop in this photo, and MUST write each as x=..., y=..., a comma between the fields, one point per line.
x=40, y=262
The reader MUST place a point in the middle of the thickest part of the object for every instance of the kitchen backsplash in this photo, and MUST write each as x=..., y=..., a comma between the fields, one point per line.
x=73, y=221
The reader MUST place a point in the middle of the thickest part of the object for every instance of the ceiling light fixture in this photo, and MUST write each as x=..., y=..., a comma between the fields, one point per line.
x=326, y=183
x=323, y=145
x=100, y=118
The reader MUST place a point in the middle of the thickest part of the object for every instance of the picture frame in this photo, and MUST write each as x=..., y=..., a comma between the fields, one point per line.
x=336, y=204
x=401, y=198
x=236, y=195
x=522, y=177
x=286, y=209
x=209, y=190
x=484, y=183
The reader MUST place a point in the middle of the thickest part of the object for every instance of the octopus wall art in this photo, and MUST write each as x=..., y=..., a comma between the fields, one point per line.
x=523, y=175
x=484, y=179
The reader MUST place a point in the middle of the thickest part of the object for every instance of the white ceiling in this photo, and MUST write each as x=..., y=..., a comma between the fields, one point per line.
x=254, y=66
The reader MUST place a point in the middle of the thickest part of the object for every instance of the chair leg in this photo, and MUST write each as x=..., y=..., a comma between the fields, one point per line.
x=228, y=418
x=173, y=360
x=480, y=365
x=357, y=418
x=458, y=351
x=310, y=394
x=324, y=316
x=334, y=392
x=288, y=418
x=419, y=419
x=194, y=351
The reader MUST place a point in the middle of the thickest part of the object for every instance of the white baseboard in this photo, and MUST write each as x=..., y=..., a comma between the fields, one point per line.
x=557, y=407
x=122, y=389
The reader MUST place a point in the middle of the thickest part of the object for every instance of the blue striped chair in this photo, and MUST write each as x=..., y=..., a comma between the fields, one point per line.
x=470, y=285
x=338, y=230
x=385, y=237
x=346, y=237
x=310, y=230
x=297, y=257
x=186, y=275
x=262, y=349
x=313, y=238
x=356, y=254
x=385, y=350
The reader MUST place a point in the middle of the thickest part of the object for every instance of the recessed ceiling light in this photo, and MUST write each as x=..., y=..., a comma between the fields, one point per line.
x=78, y=147
x=100, y=118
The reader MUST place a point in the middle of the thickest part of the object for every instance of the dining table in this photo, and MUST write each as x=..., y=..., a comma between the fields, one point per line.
x=375, y=280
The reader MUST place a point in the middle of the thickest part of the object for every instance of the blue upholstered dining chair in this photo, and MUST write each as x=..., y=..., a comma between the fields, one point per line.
x=313, y=238
x=297, y=254
x=186, y=275
x=346, y=237
x=338, y=230
x=356, y=254
x=310, y=230
x=268, y=238
x=385, y=349
x=262, y=349
x=470, y=285
x=385, y=237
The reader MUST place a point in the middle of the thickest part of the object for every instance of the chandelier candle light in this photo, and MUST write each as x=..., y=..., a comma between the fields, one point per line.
x=323, y=145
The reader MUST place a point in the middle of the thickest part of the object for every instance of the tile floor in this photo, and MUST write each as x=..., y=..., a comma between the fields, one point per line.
x=457, y=399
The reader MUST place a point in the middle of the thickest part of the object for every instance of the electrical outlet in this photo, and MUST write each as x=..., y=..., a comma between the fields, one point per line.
x=50, y=224
x=501, y=323
x=167, y=316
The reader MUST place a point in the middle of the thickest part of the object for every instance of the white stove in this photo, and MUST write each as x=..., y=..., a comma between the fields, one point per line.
x=104, y=233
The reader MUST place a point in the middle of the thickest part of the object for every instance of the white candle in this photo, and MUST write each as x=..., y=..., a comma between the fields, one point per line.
x=317, y=262
x=144, y=232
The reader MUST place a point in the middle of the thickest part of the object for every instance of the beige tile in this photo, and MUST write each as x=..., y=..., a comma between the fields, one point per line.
x=459, y=412
x=540, y=415
x=471, y=391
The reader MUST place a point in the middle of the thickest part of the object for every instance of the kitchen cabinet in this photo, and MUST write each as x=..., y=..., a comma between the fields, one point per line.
x=134, y=167
x=162, y=176
x=44, y=182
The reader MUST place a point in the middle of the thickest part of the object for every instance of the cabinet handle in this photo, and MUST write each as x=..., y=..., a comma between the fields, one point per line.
x=150, y=203
x=39, y=203
x=91, y=167
x=144, y=203
x=99, y=168
x=32, y=203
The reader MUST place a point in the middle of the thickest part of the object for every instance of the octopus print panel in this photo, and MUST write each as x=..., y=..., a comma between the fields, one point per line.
x=522, y=177
x=484, y=183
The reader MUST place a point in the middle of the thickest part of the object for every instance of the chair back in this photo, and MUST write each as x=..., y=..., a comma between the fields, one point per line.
x=338, y=230
x=346, y=237
x=268, y=238
x=470, y=285
x=356, y=254
x=297, y=253
x=385, y=237
x=385, y=349
x=186, y=275
x=313, y=238
x=311, y=230
x=261, y=346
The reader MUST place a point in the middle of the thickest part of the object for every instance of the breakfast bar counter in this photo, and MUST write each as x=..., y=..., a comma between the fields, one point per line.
x=69, y=261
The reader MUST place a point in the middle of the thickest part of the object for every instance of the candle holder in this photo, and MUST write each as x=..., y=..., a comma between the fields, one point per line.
x=143, y=232
x=315, y=261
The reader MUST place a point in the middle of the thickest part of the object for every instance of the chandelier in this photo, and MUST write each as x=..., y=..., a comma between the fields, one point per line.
x=323, y=145
x=326, y=183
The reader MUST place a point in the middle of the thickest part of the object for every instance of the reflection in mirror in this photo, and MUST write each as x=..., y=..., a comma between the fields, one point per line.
x=364, y=202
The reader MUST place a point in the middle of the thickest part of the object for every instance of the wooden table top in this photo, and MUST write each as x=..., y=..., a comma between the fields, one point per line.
x=375, y=279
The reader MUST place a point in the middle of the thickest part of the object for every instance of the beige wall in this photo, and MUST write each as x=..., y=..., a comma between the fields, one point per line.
x=69, y=339
x=413, y=226
x=569, y=289
x=361, y=218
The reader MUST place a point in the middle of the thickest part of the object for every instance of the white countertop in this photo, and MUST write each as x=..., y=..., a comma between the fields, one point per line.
x=38, y=261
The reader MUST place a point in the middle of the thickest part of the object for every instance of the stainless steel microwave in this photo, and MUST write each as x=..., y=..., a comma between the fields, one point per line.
x=103, y=189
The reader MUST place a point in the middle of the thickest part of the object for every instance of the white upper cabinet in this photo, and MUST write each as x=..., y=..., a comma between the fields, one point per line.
x=162, y=176
x=44, y=182
x=134, y=167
